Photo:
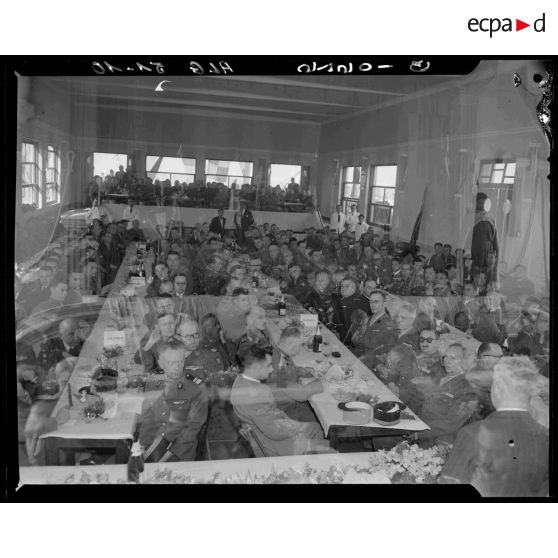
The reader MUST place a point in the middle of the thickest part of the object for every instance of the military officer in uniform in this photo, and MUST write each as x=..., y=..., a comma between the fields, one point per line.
x=344, y=306
x=204, y=362
x=297, y=285
x=170, y=426
x=377, y=334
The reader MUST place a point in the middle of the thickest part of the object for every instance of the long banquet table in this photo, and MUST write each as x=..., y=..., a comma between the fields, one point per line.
x=324, y=404
x=116, y=431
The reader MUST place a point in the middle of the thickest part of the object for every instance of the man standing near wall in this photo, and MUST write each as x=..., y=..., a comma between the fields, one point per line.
x=337, y=220
x=484, y=238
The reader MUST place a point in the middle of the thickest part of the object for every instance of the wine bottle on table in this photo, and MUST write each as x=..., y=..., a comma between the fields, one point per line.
x=135, y=461
x=282, y=307
x=282, y=373
x=317, y=341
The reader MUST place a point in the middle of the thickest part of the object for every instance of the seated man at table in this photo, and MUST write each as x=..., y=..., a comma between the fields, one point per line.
x=161, y=273
x=297, y=284
x=58, y=290
x=163, y=304
x=203, y=362
x=377, y=334
x=135, y=234
x=506, y=454
x=428, y=358
x=255, y=405
x=232, y=313
x=290, y=394
x=214, y=276
x=180, y=297
x=480, y=377
x=449, y=404
x=404, y=319
x=343, y=308
x=153, y=341
x=170, y=426
x=67, y=345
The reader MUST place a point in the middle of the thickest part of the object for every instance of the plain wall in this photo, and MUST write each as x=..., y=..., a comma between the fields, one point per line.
x=441, y=138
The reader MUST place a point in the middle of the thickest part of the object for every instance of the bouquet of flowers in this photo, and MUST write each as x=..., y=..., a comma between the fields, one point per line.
x=410, y=464
x=403, y=464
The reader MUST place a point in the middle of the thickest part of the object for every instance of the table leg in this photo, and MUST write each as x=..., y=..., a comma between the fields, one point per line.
x=51, y=451
x=333, y=439
x=121, y=451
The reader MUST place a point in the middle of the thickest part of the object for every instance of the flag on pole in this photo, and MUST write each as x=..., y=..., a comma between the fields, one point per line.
x=416, y=228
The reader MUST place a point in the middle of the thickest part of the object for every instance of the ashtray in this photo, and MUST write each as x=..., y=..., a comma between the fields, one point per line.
x=388, y=413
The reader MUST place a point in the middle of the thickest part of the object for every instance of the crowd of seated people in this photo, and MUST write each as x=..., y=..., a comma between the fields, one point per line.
x=353, y=287
x=123, y=185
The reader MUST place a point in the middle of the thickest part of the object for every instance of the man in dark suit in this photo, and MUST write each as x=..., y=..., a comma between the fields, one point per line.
x=69, y=344
x=243, y=221
x=506, y=454
x=217, y=224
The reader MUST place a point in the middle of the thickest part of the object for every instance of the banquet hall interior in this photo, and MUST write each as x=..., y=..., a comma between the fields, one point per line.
x=278, y=279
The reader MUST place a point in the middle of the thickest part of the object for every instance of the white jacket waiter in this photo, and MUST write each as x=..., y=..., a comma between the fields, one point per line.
x=352, y=218
x=337, y=220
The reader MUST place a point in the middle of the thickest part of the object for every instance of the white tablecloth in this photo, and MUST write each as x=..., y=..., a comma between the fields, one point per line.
x=324, y=404
x=121, y=408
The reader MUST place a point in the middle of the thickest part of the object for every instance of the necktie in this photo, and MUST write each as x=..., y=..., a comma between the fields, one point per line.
x=339, y=217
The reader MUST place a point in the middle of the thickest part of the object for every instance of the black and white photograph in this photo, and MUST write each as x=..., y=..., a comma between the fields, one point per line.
x=317, y=271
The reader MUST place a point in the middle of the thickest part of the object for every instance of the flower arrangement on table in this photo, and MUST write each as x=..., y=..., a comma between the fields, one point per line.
x=404, y=464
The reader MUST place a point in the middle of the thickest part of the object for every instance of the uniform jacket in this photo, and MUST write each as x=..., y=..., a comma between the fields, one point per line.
x=447, y=408
x=322, y=303
x=375, y=336
x=181, y=427
x=411, y=338
x=299, y=288
x=343, y=309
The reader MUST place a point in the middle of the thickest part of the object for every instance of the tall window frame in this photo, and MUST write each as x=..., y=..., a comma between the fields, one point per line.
x=223, y=176
x=382, y=194
x=164, y=166
x=497, y=172
x=350, y=187
x=31, y=193
x=280, y=174
x=53, y=171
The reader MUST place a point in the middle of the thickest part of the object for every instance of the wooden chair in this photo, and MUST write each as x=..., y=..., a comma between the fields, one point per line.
x=257, y=449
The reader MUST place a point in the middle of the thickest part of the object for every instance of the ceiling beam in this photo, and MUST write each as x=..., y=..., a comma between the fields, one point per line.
x=205, y=113
x=179, y=103
x=303, y=83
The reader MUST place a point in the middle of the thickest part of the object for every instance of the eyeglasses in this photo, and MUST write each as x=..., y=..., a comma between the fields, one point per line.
x=180, y=283
x=389, y=365
x=189, y=335
x=426, y=339
x=492, y=356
